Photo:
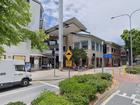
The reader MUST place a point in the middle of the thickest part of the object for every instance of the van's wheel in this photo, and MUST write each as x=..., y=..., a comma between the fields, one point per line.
x=25, y=82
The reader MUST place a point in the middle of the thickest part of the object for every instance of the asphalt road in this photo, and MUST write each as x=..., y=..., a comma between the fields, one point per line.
x=25, y=94
x=127, y=94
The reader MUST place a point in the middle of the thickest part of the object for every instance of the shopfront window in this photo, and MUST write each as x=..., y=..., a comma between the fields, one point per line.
x=93, y=45
x=84, y=44
x=77, y=45
x=97, y=47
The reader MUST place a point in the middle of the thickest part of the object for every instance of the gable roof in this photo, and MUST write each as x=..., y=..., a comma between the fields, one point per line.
x=71, y=25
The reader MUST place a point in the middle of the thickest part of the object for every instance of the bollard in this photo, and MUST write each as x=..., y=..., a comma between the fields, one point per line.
x=124, y=70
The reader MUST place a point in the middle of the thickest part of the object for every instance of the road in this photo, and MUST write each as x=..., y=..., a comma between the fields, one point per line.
x=127, y=94
x=25, y=94
x=42, y=80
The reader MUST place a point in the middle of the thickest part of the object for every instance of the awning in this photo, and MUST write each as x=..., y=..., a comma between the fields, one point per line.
x=72, y=25
x=36, y=55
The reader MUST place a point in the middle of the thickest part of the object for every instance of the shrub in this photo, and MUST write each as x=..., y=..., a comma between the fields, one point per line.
x=105, y=76
x=82, y=89
x=50, y=98
x=16, y=103
x=77, y=99
x=90, y=66
x=136, y=70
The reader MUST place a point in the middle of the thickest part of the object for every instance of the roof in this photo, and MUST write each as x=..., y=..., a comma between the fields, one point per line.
x=89, y=35
x=112, y=43
x=71, y=25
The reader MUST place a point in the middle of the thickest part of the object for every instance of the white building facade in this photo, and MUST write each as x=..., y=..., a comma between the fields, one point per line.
x=23, y=50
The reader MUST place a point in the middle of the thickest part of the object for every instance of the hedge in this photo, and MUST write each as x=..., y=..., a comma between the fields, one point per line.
x=78, y=90
x=16, y=103
x=50, y=98
x=82, y=89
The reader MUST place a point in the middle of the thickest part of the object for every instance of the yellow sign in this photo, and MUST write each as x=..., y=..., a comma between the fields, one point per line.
x=68, y=63
x=68, y=54
x=18, y=57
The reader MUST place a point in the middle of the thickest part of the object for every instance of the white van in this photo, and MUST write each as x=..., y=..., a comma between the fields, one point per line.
x=13, y=73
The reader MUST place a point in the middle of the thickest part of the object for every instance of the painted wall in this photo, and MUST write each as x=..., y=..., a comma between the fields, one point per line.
x=23, y=49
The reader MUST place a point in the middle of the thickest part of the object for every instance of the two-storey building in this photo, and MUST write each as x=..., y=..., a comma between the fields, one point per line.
x=72, y=38
x=23, y=51
x=115, y=50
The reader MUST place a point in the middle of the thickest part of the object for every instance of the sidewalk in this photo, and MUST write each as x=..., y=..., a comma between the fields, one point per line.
x=48, y=75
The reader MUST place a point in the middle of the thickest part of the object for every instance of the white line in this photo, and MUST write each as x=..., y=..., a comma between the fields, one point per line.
x=109, y=98
x=14, y=92
x=124, y=94
x=51, y=85
x=133, y=96
x=134, y=102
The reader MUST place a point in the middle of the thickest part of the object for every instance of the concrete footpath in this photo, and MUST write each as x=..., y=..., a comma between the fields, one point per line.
x=48, y=75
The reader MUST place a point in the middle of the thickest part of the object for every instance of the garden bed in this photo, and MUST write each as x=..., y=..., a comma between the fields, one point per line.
x=78, y=90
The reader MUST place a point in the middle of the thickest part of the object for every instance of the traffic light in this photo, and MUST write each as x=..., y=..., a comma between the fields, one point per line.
x=53, y=52
x=104, y=48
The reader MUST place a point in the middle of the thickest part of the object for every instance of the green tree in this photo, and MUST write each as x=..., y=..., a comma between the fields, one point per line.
x=136, y=40
x=14, y=19
x=79, y=54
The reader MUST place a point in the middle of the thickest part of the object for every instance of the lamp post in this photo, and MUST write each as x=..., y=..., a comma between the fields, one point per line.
x=60, y=34
x=130, y=35
x=102, y=57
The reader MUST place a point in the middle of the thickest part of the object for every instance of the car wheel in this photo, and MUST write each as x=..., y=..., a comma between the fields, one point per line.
x=25, y=82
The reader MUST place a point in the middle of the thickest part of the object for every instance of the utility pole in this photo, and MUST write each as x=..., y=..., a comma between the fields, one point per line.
x=102, y=57
x=60, y=34
x=130, y=34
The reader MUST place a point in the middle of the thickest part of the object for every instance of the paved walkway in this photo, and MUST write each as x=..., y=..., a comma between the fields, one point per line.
x=122, y=76
x=48, y=75
x=118, y=72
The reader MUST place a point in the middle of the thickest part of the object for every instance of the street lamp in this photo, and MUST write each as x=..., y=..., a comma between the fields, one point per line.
x=130, y=24
x=102, y=57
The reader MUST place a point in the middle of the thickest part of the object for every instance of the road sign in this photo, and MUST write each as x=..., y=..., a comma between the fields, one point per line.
x=107, y=55
x=68, y=63
x=68, y=54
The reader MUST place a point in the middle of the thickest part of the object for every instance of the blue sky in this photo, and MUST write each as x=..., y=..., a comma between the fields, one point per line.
x=95, y=15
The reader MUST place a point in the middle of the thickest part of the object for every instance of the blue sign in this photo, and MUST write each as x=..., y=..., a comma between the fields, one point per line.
x=27, y=66
x=107, y=55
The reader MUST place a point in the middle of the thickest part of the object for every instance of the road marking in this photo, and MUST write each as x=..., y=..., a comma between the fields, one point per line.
x=51, y=85
x=133, y=96
x=136, y=102
x=124, y=94
x=109, y=98
x=22, y=90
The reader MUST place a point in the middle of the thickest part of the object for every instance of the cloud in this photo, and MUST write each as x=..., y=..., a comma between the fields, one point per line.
x=95, y=15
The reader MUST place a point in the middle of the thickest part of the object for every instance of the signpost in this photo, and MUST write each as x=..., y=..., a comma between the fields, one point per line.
x=54, y=60
x=68, y=55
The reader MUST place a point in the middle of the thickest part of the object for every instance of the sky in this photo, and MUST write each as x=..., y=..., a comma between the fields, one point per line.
x=96, y=16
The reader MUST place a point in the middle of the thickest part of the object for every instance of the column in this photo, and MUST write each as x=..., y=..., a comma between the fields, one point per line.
x=95, y=61
x=89, y=52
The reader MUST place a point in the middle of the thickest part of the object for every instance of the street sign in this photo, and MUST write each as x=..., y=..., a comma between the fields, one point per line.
x=68, y=54
x=107, y=55
x=68, y=63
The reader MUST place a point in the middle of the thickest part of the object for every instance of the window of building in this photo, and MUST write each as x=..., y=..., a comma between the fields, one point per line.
x=77, y=45
x=93, y=45
x=97, y=47
x=107, y=49
x=52, y=43
x=101, y=48
x=84, y=44
x=112, y=50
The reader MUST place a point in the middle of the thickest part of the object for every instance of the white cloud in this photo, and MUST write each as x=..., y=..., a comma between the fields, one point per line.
x=95, y=15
